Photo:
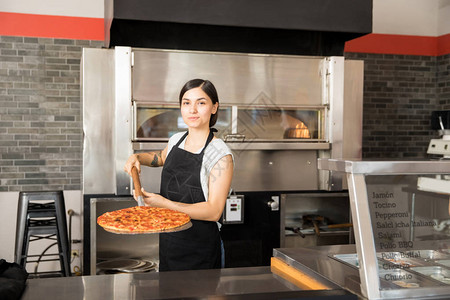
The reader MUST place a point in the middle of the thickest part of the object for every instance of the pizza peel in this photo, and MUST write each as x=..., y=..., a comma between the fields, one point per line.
x=137, y=186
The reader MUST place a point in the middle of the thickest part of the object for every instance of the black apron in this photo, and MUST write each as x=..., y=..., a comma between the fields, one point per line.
x=199, y=246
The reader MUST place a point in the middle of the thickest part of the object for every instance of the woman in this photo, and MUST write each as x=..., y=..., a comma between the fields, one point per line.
x=196, y=179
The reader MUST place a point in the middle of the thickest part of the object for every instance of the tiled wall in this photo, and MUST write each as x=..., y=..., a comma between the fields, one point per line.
x=40, y=109
x=400, y=92
x=443, y=82
x=40, y=113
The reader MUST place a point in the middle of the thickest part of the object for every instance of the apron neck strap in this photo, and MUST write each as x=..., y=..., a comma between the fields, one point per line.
x=208, y=140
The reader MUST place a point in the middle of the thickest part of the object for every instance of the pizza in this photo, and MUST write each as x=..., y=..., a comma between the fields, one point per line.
x=143, y=219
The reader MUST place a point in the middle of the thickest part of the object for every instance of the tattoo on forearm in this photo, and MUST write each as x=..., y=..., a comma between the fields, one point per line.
x=155, y=161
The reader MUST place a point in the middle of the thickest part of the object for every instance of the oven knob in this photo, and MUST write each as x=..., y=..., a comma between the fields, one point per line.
x=274, y=204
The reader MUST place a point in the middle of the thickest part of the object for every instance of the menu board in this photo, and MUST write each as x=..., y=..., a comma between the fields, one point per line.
x=405, y=228
x=391, y=218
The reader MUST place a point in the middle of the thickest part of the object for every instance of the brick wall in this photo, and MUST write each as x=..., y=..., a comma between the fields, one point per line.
x=443, y=81
x=400, y=92
x=40, y=113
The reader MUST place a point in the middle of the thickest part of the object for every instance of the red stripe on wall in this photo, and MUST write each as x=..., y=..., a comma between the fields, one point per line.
x=443, y=45
x=78, y=28
x=400, y=44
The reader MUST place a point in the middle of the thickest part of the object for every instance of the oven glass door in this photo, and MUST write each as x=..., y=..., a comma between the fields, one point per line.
x=160, y=122
x=299, y=124
x=154, y=122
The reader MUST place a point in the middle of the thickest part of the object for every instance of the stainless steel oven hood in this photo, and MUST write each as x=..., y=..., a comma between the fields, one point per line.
x=325, y=92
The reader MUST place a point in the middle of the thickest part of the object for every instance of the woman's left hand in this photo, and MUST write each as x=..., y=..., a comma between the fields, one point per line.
x=152, y=199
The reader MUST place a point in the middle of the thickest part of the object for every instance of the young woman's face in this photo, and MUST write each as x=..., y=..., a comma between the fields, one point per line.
x=197, y=108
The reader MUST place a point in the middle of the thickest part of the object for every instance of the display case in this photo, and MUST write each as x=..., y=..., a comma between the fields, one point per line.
x=401, y=219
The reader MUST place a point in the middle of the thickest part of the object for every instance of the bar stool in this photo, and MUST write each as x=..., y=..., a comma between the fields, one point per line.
x=38, y=219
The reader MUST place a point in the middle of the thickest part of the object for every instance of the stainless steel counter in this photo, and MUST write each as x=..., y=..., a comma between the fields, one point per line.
x=233, y=283
x=384, y=167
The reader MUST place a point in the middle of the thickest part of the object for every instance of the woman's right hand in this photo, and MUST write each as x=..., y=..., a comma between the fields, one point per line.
x=132, y=161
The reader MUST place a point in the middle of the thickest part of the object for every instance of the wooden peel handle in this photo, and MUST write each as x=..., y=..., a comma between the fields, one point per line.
x=344, y=225
x=136, y=182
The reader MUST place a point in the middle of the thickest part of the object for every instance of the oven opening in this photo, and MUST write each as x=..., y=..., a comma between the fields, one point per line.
x=158, y=122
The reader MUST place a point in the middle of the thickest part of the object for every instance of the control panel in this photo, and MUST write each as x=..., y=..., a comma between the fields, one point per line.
x=234, y=210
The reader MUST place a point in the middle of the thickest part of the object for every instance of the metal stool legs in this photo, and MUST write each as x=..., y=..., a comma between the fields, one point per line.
x=37, y=220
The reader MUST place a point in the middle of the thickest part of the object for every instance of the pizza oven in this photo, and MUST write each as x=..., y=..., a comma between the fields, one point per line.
x=278, y=114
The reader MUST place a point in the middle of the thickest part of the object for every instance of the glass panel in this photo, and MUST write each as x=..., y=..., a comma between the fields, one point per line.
x=161, y=122
x=411, y=227
x=280, y=124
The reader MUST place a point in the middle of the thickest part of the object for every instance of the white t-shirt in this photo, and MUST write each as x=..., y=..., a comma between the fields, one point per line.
x=215, y=150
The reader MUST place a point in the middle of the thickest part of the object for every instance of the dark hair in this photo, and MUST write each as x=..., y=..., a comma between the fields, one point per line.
x=209, y=90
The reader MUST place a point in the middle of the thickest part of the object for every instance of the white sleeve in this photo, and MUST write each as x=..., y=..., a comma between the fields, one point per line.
x=213, y=153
